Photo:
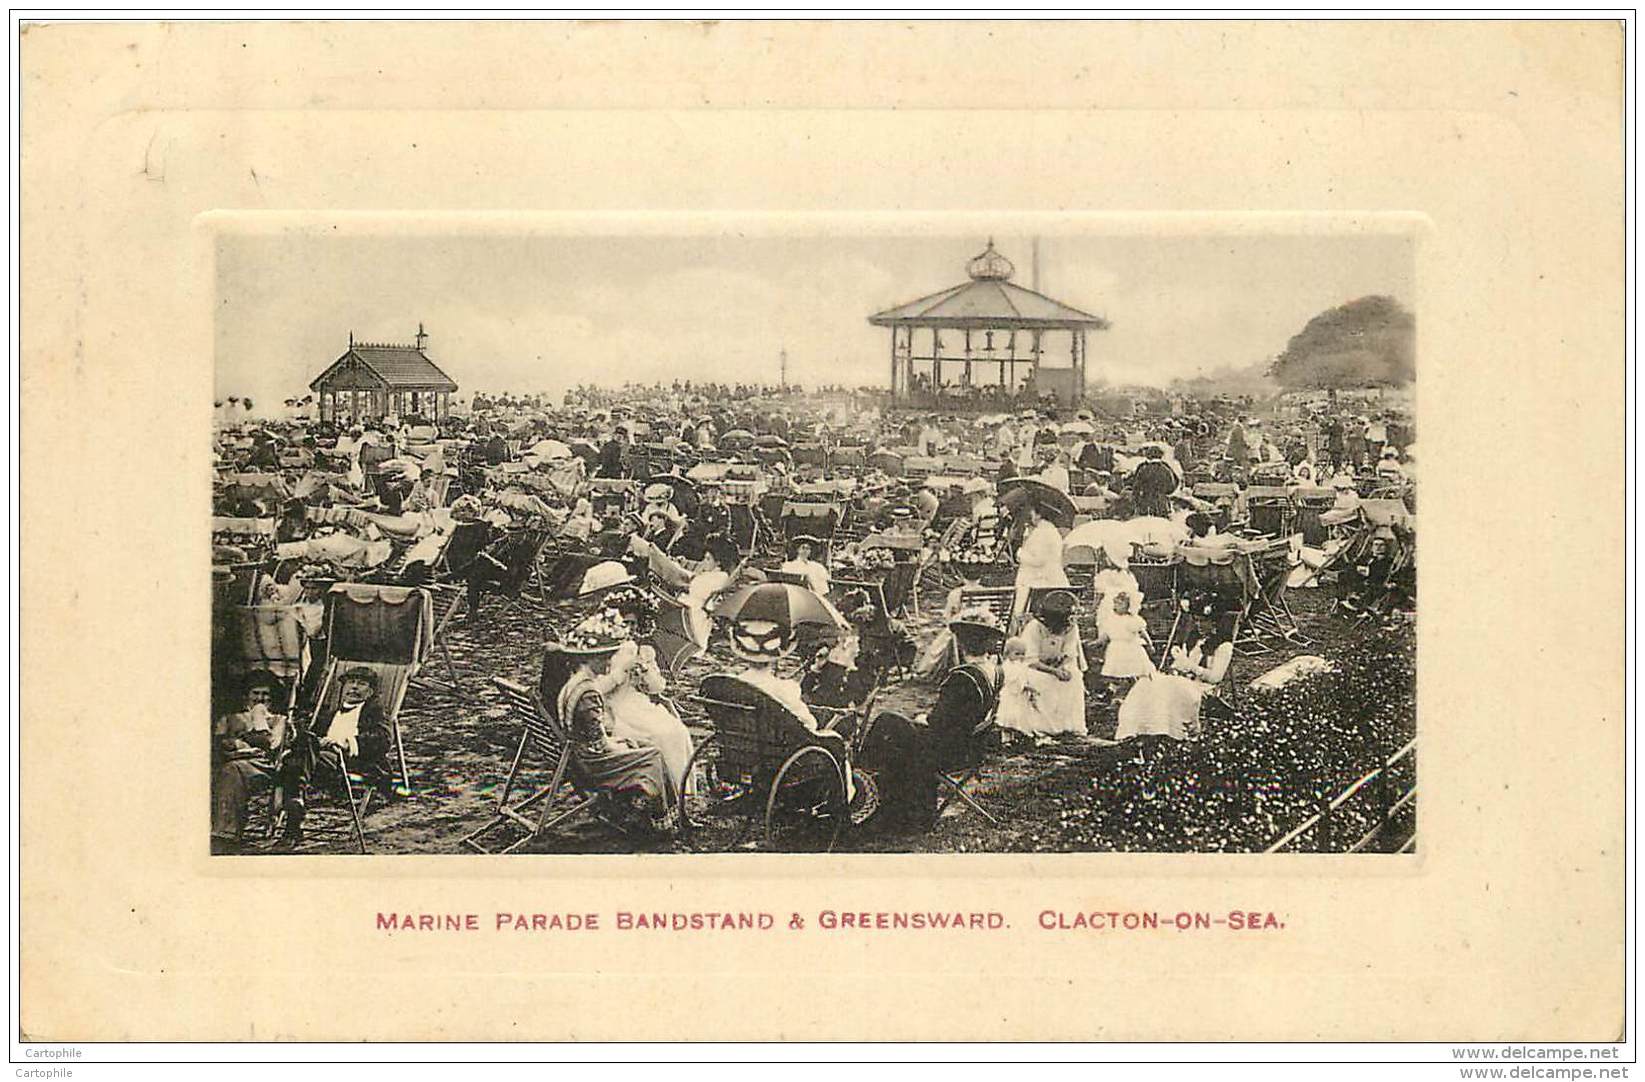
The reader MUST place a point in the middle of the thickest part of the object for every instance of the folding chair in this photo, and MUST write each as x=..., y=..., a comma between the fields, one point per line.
x=1267, y=612
x=557, y=801
x=955, y=782
x=387, y=629
x=270, y=637
x=997, y=599
x=505, y=567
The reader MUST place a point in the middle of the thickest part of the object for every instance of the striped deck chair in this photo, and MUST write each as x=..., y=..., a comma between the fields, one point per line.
x=557, y=800
x=387, y=629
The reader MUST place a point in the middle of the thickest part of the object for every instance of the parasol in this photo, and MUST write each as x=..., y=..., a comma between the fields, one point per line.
x=780, y=603
x=548, y=450
x=737, y=437
x=1078, y=428
x=769, y=441
x=1053, y=503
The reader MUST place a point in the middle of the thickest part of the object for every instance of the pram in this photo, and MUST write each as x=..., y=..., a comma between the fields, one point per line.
x=1248, y=577
x=761, y=759
x=1270, y=509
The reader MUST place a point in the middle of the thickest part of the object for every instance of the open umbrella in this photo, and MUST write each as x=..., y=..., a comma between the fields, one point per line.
x=1053, y=503
x=736, y=438
x=780, y=603
x=548, y=450
x=768, y=441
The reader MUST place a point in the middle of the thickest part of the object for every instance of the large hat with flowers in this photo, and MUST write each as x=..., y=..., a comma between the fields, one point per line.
x=977, y=629
x=601, y=633
x=636, y=603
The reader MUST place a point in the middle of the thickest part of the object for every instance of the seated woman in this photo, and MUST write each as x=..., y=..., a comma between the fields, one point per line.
x=245, y=750
x=571, y=685
x=802, y=551
x=1054, y=654
x=635, y=678
x=1168, y=703
x=696, y=583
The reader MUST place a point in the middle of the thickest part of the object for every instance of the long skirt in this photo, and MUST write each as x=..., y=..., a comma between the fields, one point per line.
x=1161, y=705
x=636, y=718
x=621, y=768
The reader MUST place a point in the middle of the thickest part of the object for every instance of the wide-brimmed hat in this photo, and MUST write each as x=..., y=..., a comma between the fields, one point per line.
x=658, y=492
x=604, y=576
x=797, y=540
x=635, y=602
x=977, y=628
x=601, y=633
x=1056, y=603
x=761, y=640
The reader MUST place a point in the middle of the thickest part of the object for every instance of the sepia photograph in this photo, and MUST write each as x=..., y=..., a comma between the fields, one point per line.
x=861, y=537
x=881, y=543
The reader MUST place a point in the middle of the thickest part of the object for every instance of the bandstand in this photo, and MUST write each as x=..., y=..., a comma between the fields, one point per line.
x=987, y=341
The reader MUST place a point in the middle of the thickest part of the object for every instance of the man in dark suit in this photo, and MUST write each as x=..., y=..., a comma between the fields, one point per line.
x=351, y=734
x=956, y=734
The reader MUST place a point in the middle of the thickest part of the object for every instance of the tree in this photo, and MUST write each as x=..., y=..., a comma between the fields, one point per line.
x=1369, y=342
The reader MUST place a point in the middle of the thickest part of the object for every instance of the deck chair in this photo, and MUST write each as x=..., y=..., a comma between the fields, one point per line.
x=558, y=800
x=818, y=520
x=270, y=637
x=997, y=599
x=1267, y=613
x=879, y=636
x=505, y=567
x=387, y=629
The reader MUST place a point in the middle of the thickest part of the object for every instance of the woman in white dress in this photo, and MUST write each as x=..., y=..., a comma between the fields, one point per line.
x=1055, y=656
x=635, y=677
x=1168, y=703
x=1039, y=560
x=800, y=562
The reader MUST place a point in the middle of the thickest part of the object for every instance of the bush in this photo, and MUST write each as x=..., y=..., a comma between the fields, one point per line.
x=1250, y=778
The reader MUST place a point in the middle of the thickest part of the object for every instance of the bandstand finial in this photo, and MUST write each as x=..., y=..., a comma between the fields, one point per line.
x=989, y=265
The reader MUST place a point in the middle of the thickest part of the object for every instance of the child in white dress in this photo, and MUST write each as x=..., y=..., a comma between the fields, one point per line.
x=1126, y=634
x=1019, y=708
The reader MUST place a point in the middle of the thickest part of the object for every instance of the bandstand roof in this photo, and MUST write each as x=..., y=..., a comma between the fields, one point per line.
x=397, y=366
x=989, y=300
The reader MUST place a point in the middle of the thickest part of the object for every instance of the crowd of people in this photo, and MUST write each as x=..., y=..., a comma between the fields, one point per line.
x=692, y=521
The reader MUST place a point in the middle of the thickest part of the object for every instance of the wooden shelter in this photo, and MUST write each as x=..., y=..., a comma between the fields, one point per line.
x=980, y=336
x=375, y=379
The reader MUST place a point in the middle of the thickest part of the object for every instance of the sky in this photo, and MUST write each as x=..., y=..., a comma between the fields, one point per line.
x=542, y=313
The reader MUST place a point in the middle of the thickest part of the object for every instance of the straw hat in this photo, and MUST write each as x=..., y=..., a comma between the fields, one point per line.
x=599, y=634
x=603, y=576
x=977, y=629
